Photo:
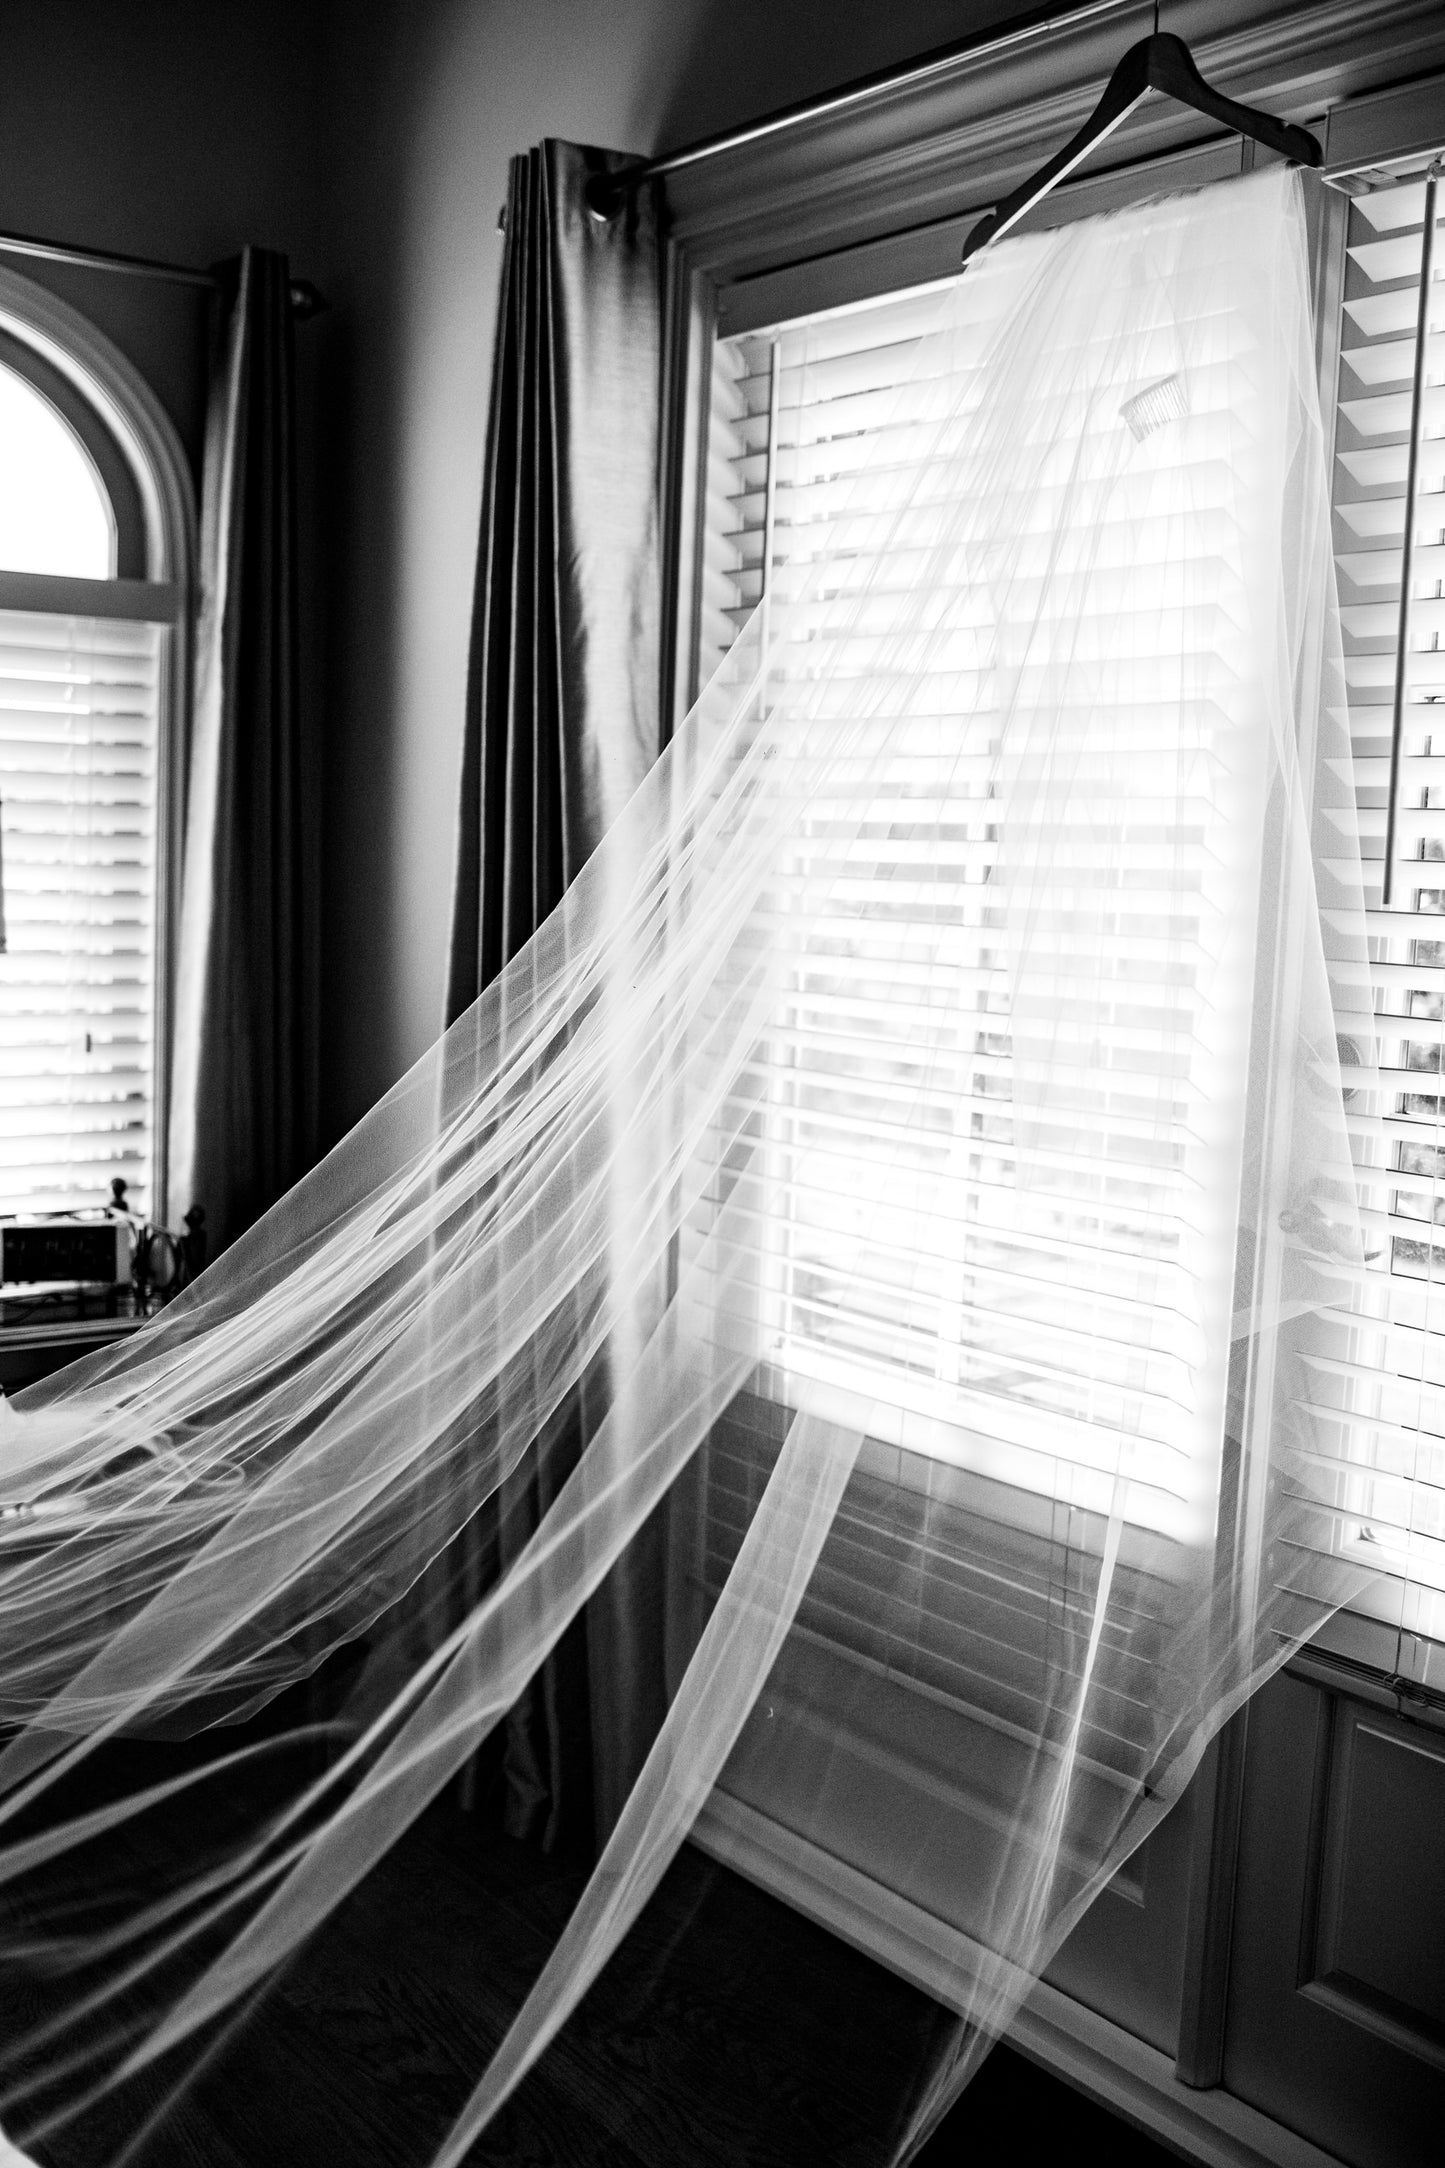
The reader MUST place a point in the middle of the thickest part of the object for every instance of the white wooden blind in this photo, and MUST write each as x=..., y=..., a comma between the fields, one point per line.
x=792, y=416
x=1393, y=1392
x=878, y=1098
x=79, y=733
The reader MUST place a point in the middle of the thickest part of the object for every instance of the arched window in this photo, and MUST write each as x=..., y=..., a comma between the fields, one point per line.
x=55, y=515
x=96, y=546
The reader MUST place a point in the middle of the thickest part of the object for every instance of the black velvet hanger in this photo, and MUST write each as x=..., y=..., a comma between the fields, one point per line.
x=1163, y=63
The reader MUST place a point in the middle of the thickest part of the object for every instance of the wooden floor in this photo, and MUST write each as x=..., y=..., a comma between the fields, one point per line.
x=727, y=2031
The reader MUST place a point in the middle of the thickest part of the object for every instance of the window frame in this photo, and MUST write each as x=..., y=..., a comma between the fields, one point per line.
x=881, y=196
x=141, y=462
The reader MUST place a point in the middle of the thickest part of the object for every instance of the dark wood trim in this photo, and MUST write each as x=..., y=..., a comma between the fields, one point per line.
x=30, y=1352
x=1209, y=1926
x=81, y=1333
x=1376, y=1684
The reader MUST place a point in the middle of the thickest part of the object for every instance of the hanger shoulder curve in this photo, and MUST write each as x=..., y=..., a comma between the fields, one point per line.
x=1128, y=84
x=1163, y=63
x=1172, y=72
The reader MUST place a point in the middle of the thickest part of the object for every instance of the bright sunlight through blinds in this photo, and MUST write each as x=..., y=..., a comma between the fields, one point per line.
x=78, y=753
x=879, y=1093
x=1393, y=1391
x=794, y=413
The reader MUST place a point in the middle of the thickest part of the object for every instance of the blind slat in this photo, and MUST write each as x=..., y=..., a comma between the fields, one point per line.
x=79, y=738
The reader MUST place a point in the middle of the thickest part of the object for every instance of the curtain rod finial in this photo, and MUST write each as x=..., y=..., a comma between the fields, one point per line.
x=307, y=300
x=602, y=196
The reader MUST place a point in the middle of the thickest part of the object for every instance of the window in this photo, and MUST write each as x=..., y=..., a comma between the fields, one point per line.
x=94, y=559
x=794, y=410
x=931, y=1630
x=1042, y=1325
x=1391, y=1395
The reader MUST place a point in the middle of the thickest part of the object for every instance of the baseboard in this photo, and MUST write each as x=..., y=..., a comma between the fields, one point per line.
x=1089, y=2052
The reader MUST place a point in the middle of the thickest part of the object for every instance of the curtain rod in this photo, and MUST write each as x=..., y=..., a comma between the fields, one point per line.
x=306, y=300
x=605, y=191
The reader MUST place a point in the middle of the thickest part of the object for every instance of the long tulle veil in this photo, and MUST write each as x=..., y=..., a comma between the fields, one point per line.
x=1066, y=662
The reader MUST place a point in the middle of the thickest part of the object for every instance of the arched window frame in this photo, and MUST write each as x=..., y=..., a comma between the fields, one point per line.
x=141, y=461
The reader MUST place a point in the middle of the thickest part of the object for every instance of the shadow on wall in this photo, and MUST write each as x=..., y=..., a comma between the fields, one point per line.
x=748, y=57
x=425, y=107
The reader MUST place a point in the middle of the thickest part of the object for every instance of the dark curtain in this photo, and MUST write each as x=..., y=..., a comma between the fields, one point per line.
x=562, y=723
x=243, y=1066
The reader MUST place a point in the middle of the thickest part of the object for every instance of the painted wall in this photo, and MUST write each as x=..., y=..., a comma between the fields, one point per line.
x=370, y=140
x=159, y=128
x=429, y=102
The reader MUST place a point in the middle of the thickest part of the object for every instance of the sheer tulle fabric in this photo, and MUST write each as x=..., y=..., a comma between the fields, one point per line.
x=1067, y=650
